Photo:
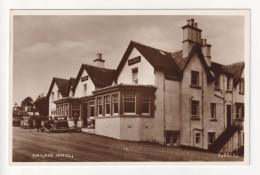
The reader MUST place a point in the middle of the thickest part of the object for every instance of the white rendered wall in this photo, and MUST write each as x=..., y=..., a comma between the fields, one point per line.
x=52, y=106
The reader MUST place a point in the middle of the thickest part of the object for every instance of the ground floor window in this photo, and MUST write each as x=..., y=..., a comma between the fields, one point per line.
x=99, y=101
x=92, y=109
x=172, y=138
x=66, y=110
x=197, y=138
x=146, y=105
x=107, y=105
x=115, y=103
x=129, y=103
x=211, y=137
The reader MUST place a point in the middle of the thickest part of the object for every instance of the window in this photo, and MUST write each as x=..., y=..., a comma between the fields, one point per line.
x=212, y=110
x=145, y=105
x=66, y=110
x=228, y=83
x=84, y=89
x=58, y=110
x=115, y=103
x=99, y=100
x=197, y=138
x=237, y=111
x=62, y=110
x=195, y=78
x=52, y=96
x=241, y=86
x=135, y=75
x=107, y=105
x=58, y=95
x=211, y=137
x=216, y=83
x=92, y=109
x=129, y=103
x=195, y=109
x=243, y=112
x=175, y=139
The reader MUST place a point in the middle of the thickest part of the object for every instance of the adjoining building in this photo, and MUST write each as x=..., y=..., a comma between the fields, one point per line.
x=177, y=98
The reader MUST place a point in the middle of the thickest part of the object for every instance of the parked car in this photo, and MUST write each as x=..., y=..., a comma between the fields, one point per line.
x=16, y=121
x=25, y=121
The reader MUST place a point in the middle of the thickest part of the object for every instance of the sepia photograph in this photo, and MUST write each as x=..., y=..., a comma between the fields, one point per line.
x=129, y=86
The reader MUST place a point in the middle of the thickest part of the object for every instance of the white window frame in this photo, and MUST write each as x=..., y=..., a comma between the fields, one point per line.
x=198, y=104
x=149, y=102
x=100, y=103
x=91, y=104
x=129, y=113
x=105, y=100
x=114, y=102
x=228, y=83
x=199, y=136
x=135, y=75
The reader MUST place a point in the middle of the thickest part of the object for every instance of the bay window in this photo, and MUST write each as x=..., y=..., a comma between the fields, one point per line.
x=115, y=103
x=107, y=105
x=129, y=103
x=100, y=104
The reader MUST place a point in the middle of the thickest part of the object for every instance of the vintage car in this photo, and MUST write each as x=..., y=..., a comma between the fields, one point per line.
x=25, y=121
x=16, y=121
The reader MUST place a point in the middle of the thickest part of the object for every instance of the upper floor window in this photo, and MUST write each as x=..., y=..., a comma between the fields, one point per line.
x=129, y=103
x=145, y=105
x=107, y=105
x=195, y=109
x=115, y=103
x=84, y=89
x=135, y=75
x=99, y=101
x=228, y=83
x=52, y=96
x=241, y=86
x=195, y=78
x=240, y=111
x=217, y=83
x=212, y=110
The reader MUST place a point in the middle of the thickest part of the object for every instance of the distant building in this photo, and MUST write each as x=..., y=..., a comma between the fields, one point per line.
x=179, y=99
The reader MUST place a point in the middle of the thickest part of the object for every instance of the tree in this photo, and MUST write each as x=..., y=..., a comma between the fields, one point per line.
x=42, y=105
x=28, y=101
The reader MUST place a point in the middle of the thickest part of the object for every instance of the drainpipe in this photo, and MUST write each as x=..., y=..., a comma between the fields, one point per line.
x=190, y=119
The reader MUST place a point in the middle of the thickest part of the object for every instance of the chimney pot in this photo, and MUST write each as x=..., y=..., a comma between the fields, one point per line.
x=99, y=56
x=205, y=42
x=192, y=22
x=196, y=24
x=188, y=22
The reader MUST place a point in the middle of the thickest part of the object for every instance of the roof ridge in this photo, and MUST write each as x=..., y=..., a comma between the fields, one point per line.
x=83, y=64
x=150, y=46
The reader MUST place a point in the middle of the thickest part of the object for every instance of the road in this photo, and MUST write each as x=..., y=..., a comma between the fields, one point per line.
x=84, y=147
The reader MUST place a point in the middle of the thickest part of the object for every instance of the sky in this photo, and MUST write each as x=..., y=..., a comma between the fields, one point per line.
x=55, y=46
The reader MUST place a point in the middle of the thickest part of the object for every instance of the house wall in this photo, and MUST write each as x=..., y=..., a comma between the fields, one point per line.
x=52, y=106
x=145, y=71
x=90, y=86
x=233, y=143
x=108, y=126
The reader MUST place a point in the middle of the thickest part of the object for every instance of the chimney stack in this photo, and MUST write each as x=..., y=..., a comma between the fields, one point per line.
x=206, y=51
x=191, y=37
x=99, y=61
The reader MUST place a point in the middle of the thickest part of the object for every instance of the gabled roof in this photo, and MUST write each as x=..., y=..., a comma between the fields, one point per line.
x=62, y=84
x=159, y=59
x=168, y=62
x=232, y=70
x=101, y=77
x=31, y=109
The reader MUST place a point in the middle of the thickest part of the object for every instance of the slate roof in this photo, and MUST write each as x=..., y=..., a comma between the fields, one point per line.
x=101, y=77
x=233, y=70
x=62, y=84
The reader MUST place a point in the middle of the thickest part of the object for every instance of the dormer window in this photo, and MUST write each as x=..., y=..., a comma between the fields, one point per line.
x=195, y=78
x=135, y=75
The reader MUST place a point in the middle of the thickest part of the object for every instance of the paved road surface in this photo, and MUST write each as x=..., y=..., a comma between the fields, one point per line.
x=83, y=147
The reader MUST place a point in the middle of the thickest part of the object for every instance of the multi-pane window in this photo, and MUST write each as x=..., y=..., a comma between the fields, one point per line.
x=197, y=138
x=107, y=105
x=195, y=78
x=241, y=86
x=84, y=89
x=212, y=110
x=228, y=83
x=237, y=111
x=240, y=111
x=62, y=110
x=217, y=83
x=211, y=137
x=175, y=139
x=145, y=105
x=66, y=110
x=92, y=109
x=129, y=103
x=58, y=110
x=58, y=95
x=115, y=103
x=99, y=101
x=135, y=75
x=52, y=96
x=194, y=109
